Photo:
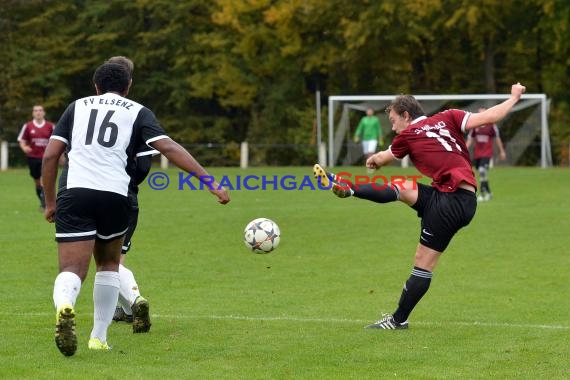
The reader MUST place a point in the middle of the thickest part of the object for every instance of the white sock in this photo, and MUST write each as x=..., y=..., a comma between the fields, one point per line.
x=66, y=289
x=105, y=294
x=129, y=290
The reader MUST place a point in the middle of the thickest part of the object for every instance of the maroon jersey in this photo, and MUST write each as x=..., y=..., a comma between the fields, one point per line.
x=483, y=138
x=437, y=148
x=37, y=136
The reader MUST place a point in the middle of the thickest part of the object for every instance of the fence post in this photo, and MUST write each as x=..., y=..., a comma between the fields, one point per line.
x=244, y=155
x=4, y=155
x=323, y=154
x=163, y=162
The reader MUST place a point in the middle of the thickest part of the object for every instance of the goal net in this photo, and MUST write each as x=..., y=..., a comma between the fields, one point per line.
x=524, y=131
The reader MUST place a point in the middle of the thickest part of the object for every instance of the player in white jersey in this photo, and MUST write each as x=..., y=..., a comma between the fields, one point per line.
x=100, y=135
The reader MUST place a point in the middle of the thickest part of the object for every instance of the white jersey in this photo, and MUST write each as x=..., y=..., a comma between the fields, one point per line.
x=103, y=134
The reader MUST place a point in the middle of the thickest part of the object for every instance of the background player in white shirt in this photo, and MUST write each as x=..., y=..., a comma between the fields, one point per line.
x=132, y=307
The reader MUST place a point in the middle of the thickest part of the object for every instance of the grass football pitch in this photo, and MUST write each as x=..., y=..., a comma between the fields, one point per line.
x=498, y=306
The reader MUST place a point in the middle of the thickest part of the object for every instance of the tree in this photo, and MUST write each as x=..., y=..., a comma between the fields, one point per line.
x=226, y=71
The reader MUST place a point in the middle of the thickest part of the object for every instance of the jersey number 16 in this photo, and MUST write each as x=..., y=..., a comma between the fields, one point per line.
x=107, y=129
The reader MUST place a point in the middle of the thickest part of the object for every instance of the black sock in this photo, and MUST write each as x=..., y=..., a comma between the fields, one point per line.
x=414, y=289
x=40, y=193
x=485, y=187
x=379, y=193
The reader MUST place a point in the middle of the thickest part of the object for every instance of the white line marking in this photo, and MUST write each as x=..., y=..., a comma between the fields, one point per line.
x=286, y=318
x=359, y=321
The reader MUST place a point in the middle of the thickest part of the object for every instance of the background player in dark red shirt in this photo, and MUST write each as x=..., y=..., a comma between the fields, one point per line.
x=437, y=148
x=33, y=139
x=483, y=138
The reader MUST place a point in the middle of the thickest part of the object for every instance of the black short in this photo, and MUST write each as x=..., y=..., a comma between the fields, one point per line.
x=35, y=165
x=86, y=214
x=133, y=220
x=482, y=162
x=443, y=214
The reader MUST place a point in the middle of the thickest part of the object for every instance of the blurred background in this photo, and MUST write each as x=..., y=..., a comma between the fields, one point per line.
x=219, y=73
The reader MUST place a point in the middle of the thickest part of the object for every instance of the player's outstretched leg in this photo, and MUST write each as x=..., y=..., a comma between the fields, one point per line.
x=387, y=322
x=327, y=180
x=141, y=315
x=65, y=338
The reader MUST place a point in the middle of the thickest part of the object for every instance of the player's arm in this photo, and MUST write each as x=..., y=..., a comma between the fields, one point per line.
x=502, y=153
x=380, y=133
x=498, y=112
x=469, y=141
x=380, y=159
x=185, y=161
x=54, y=150
x=23, y=141
x=358, y=131
x=26, y=148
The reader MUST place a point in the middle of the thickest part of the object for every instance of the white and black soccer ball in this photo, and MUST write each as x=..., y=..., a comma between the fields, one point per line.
x=261, y=235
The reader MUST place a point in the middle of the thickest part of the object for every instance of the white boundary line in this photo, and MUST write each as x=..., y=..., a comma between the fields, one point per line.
x=359, y=321
x=288, y=318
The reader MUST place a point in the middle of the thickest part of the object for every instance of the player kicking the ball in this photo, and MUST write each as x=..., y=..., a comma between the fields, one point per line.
x=437, y=148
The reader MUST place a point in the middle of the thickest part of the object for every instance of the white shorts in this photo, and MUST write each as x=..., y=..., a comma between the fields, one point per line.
x=369, y=146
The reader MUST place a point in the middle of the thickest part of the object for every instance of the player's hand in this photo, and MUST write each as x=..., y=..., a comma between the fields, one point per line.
x=356, y=140
x=503, y=156
x=220, y=192
x=371, y=164
x=517, y=90
x=49, y=213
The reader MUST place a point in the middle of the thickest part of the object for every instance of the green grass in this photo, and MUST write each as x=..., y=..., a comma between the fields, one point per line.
x=498, y=307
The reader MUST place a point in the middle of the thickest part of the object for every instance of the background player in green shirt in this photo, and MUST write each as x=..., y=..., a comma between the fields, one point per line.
x=369, y=132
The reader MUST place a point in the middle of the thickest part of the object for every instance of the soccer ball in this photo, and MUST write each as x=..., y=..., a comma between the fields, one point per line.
x=261, y=235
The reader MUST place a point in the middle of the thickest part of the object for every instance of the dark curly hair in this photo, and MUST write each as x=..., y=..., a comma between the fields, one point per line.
x=112, y=77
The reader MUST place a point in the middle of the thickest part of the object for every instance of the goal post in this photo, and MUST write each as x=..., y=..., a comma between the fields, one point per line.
x=536, y=124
